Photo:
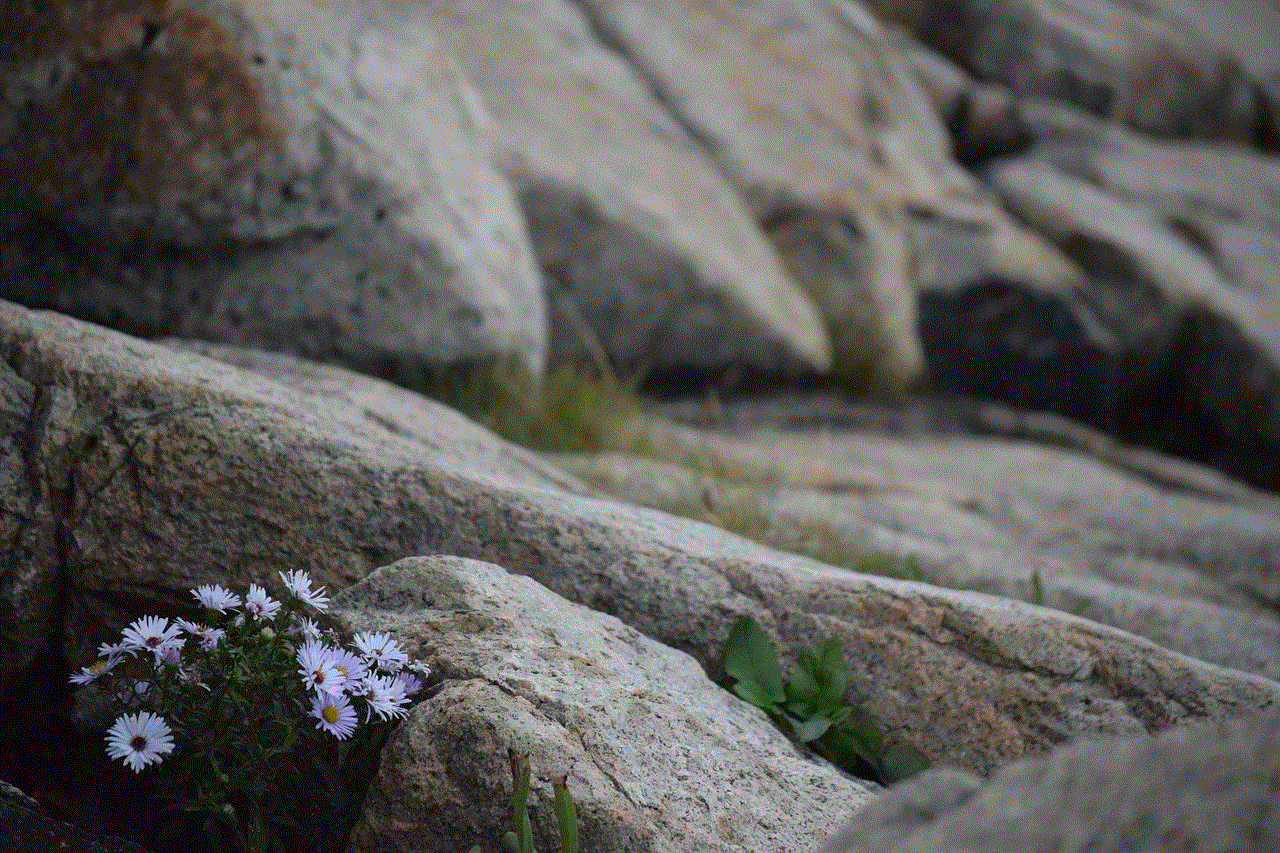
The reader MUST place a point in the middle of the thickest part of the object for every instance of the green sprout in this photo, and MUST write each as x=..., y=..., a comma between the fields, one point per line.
x=520, y=838
x=809, y=705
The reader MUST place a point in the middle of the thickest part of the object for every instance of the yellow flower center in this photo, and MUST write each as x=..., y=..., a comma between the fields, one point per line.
x=330, y=714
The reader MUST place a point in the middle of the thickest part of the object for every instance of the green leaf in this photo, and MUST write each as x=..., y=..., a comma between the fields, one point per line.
x=812, y=728
x=902, y=762
x=566, y=817
x=867, y=733
x=520, y=799
x=845, y=749
x=818, y=684
x=1037, y=589
x=752, y=692
x=749, y=658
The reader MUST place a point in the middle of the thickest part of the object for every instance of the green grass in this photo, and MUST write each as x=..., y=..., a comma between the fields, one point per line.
x=587, y=410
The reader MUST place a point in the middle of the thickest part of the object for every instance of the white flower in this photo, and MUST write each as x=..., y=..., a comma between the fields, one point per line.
x=380, y=650
x=98, y=668
x=152, y=633
x=114, y=650
x=171, y=656
x=259, y=603
x=216, y=597
x=335, y=715
x=385, y=695
x=349, y=664
x=299, y=585
x=318, y=670
x=412, y=683
x=209, y=637
x=139, y=739
x=305, y=627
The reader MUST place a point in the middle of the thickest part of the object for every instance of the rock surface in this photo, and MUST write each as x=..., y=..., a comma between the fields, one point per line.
x=657, y=757
x=816, y=121
x=140, y=472
x=24, y=828
x=1166, y=68
x=1180, y=241
x=1201, y=787
x=1170, y=551
x=288, y=176
x=643, y=240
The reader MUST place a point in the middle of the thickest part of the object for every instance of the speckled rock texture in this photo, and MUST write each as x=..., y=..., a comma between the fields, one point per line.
x=1207, y=788
x=281, y=174
x=656, y=756
x=140, y=472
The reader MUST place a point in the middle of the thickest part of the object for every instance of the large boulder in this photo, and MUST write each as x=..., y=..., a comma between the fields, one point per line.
x=136, y=472
x=656, y=756
x=286, y=175
x=647, y=248
x=809, y=111
x=1168, y=68
x=1211, y=788
x=23, y=826
x=1180, y=241
x=1165, y=549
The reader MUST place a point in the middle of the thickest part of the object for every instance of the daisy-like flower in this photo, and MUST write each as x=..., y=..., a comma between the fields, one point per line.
x=99, y=667
x=114, y=650
x=299, y=586
x=412, y=683
x=132, y=696
x=380, y=650
x=334, y=714
x=259, y=603
x=208, y=636
x=350, y=664
x=216, y=597
x=305, y=627
x=318, y=670
x=153, y=634
x=385, y=695
x=139, y=739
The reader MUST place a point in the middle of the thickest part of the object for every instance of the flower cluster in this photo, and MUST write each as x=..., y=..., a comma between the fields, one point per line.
x=194, y=675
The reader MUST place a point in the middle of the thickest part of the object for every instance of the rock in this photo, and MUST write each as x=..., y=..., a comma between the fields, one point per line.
x=647, y=248
x=1181, y=242
x=1201, y=787
x=272, y=174
x=983, y=118
x=1151, y=66
x=23, y=827
x=810, y=113
x=1166, y=550
x=142, y=472
x=657, y=757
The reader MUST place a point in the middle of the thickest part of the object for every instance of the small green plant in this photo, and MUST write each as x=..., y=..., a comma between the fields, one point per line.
x=520, y=838
x=256, y=718
x=573, y=408
x=1037, y=589
x=809, y=706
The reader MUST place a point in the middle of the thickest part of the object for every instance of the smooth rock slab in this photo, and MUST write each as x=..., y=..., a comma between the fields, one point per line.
x=657, y=757
x=812, y=115
x=351, y=214
x=1208, y=788
x=647, y=247
x=139, y=472
x=1164, y=68
x=1167, y=550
